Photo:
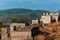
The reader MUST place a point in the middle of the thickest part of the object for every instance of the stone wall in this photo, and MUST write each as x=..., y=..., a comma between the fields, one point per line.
x=46, y=19
x=4, y=34
x=21, y=36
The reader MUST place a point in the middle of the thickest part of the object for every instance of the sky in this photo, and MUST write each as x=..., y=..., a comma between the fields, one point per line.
x=49, y=5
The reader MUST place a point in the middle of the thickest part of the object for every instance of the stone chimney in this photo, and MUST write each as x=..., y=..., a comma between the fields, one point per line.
x=44, y=14
x=47, y=14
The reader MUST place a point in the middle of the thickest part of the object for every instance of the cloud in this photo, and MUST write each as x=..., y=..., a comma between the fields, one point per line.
x=57, y=1
x=41, y=2
x=20, y=1
x=2, y=3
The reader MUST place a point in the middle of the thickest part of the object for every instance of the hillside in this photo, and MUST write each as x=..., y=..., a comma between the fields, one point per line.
x=20, y=11
x=21, y=14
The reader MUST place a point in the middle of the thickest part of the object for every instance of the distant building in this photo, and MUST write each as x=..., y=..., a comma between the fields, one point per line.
x=45, y=18
x=13, y=25
x=55, y=15
x=34, y=21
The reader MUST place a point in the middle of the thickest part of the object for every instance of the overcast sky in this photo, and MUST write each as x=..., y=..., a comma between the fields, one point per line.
x=50, y=5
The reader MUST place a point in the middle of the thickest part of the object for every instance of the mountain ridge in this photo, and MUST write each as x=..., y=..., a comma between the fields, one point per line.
x=20, y=10
x=15, y=12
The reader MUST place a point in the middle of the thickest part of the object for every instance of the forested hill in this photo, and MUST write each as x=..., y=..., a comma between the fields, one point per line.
x=14, y=12
x=21, y=11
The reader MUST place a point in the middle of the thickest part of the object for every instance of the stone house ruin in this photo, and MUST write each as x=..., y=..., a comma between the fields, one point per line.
x=49, y=17
x=34, y=21
x=19, y=31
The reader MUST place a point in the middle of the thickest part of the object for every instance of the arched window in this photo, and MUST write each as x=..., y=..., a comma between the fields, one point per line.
x=14, y=28
x=53, y=19
x=0, y=36
x=59, y=18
